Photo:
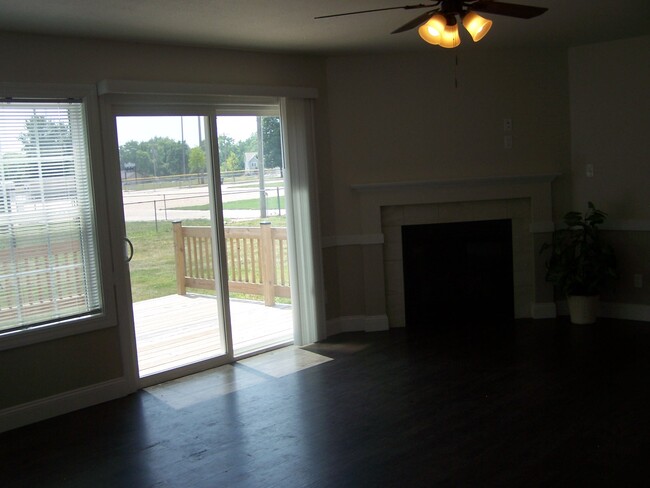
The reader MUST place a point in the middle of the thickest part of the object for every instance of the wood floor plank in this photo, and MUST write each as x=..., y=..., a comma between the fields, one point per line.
x=177, y=330
x=529, y=403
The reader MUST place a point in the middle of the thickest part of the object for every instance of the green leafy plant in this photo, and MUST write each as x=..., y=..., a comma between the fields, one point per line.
x=580, y=262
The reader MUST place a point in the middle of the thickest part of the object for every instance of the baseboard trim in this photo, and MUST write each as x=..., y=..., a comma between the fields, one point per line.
x=626, y=311
x=610, y=310
x=55, y=405
x=374, y=323
x=546, y=310
x=357, y=323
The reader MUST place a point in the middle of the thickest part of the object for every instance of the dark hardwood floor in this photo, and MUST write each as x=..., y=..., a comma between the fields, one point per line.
x=530, y=403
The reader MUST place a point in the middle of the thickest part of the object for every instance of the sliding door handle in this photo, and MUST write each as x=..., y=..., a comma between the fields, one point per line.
x=130, y=252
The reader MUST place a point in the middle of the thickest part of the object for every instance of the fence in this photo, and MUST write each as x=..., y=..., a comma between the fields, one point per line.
x=133, y=181
x=51, y=279
x=257, y=260
x=169, y=206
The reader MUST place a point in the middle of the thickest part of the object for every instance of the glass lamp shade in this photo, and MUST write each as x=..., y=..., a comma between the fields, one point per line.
x=432, y=30
x=476, y=25
x=450, y=37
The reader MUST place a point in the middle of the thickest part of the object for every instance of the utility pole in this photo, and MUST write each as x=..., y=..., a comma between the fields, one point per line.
x=260, y=166
x=183, y=147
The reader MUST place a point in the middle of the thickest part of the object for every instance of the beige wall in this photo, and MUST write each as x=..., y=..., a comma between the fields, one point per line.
x=610, y=129
x=48, y=59
x=401, y=117
x=49, y=368
x=610, y=126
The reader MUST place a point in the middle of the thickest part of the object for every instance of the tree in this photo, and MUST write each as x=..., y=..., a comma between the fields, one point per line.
x=159, y=156
x=227, y=146
x=197, y=160
x=135, y=155
x=46, y=137
x=168, y=155
x=248, y=145
x=48, y=143
x=272, y=142
x=233, y=163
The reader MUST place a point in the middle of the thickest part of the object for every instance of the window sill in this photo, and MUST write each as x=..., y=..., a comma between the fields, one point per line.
x=53, y=331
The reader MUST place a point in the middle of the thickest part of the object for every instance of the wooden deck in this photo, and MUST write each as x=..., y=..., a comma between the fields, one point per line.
x=175, y=330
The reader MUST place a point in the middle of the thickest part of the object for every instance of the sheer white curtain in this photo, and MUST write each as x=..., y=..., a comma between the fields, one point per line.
x=304, y=232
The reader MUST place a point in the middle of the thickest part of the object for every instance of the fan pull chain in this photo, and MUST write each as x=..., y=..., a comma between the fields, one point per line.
x=456, y=71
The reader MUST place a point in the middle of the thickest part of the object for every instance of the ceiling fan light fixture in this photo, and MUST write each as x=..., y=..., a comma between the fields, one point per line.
x=450, y=37
x=476, y=25
x=439, y=24
x=432, y=30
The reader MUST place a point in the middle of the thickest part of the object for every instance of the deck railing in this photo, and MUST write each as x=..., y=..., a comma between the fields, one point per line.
x=53, y=278
x=257, y=260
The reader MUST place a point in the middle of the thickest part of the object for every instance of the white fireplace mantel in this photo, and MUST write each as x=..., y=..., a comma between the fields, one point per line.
x=535, y=189
x=456, y=183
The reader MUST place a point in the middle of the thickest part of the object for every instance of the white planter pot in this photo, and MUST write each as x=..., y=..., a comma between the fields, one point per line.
x=583, y=310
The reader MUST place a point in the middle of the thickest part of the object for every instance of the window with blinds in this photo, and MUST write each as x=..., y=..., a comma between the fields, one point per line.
x=49, y=269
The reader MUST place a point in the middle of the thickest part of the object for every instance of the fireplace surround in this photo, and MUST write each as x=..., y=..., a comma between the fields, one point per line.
x=386, y=207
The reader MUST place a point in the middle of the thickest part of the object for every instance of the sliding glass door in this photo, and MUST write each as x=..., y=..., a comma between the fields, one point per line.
x=171, y=220
x=254, y=213
x=205, y=217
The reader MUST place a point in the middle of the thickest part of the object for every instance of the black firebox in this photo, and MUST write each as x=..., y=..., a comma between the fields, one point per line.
x=458, y=272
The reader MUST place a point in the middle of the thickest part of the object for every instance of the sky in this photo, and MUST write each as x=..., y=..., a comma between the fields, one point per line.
x=144, y=128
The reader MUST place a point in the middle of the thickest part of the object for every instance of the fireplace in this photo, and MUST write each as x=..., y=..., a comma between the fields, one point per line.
x=459, y=272
x=519, y=255
x=524, y=200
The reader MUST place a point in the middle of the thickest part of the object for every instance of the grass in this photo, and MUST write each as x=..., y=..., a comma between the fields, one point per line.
x=183, y=181
x=153, y=269
x=131, y=185
x=251, y=204
x=271, y=184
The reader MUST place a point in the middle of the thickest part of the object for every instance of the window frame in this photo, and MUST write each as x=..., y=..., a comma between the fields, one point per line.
x=107, y=317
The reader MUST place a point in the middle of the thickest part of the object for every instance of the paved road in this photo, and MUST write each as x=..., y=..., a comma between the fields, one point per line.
x=166, y=203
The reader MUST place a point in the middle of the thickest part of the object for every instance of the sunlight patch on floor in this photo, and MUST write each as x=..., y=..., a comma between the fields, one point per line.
x=200, y=387
x=282, y=362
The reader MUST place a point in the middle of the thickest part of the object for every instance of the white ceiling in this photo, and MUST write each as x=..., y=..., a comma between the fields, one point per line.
x=289, y=25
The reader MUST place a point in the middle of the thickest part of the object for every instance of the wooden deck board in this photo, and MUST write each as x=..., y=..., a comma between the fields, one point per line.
x=177, y=330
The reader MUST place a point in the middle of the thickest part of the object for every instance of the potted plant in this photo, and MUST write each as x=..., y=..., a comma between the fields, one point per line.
x=581, y=264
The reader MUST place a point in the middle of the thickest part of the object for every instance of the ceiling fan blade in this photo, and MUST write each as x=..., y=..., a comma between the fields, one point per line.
x=403, y=7
x=416, y=22
x=509, y=9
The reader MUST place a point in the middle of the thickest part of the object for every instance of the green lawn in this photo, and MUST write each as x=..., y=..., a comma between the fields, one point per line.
x=252, y=204
x=152, y=269
x=271, y=184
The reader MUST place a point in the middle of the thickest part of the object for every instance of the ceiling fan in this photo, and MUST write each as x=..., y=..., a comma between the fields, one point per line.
x=439, y=24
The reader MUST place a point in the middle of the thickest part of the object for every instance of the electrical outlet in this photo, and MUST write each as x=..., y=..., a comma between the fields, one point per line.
x=507, y=125
x=590, y=170
x=638, y=280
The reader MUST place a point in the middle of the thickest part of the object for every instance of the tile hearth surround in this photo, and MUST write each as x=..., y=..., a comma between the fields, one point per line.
x=394, y=217
x=385, y=207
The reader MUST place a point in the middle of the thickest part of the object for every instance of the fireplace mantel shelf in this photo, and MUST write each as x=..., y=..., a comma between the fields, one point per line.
x=459, y=182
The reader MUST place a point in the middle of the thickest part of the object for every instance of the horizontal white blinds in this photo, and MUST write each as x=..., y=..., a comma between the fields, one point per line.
x=48, y=260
